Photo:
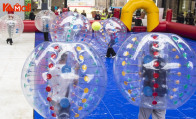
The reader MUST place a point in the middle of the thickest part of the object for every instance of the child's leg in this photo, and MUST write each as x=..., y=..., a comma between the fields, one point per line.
x=11, y=41
x=64, y=113
x=108, y=52
x=144, y=113
x=8, y=40
x=46, y=36
x=158, y=114
x=113, y=52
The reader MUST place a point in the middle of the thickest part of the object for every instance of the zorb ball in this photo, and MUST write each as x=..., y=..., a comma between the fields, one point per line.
x=64, y=80
x=44, y=19
x=156, y=71
x=11, y=26
x=71, y=27
x=111, y=34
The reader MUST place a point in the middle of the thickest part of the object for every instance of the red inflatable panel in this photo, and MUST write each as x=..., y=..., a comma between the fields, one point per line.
x=116, y=13
x=182, y=29
x=29, y=26
x=91, y=21
x=163, y=22
x=169, y=15
x=160, y=28
x=139, y=29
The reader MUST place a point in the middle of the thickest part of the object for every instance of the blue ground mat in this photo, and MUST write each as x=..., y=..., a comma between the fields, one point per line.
x=115, y=106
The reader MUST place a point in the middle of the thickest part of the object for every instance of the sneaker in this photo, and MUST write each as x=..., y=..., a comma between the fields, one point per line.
x=106, y=57
x=113, y=56
x=8, y=41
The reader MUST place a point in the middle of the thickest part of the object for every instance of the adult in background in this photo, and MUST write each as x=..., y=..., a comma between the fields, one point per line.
x=32, y=15
x=59, y=10
x=180, y=18
x=103, y=15
x=106, y=11
x=97, y=16
x=56, y=12
x=187, y=18
x=76, y=10
x=53, y=9
x=110, y=14
x=138, y=13
x=143, y=14
x=191, y=19
x=138, y=20
x=83, y=13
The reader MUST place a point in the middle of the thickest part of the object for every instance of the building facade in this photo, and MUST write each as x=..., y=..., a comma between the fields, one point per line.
x=109, y=3
x=178, y=6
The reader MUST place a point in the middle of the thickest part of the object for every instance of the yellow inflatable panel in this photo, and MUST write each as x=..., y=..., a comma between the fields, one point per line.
x=148, y=5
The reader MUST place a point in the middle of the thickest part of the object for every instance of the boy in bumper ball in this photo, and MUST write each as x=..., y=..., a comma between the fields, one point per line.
x=61, y=89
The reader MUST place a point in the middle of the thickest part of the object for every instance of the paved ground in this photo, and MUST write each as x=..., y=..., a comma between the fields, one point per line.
x=12, y=101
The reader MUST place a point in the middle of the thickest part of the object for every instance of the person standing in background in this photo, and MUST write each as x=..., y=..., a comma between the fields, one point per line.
x=138, y=21
x=97, y=16
x=143, y=14
x=110, y=15
x=76, y=10
x=59, y=10
x=32, y=15
x=187, y=18
x=53, y=8
x=56, y=12
x=191, y=19
x=103, y=15
x=83, y=13
x=138, y=13
x=180, y=18
x=106, y=11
